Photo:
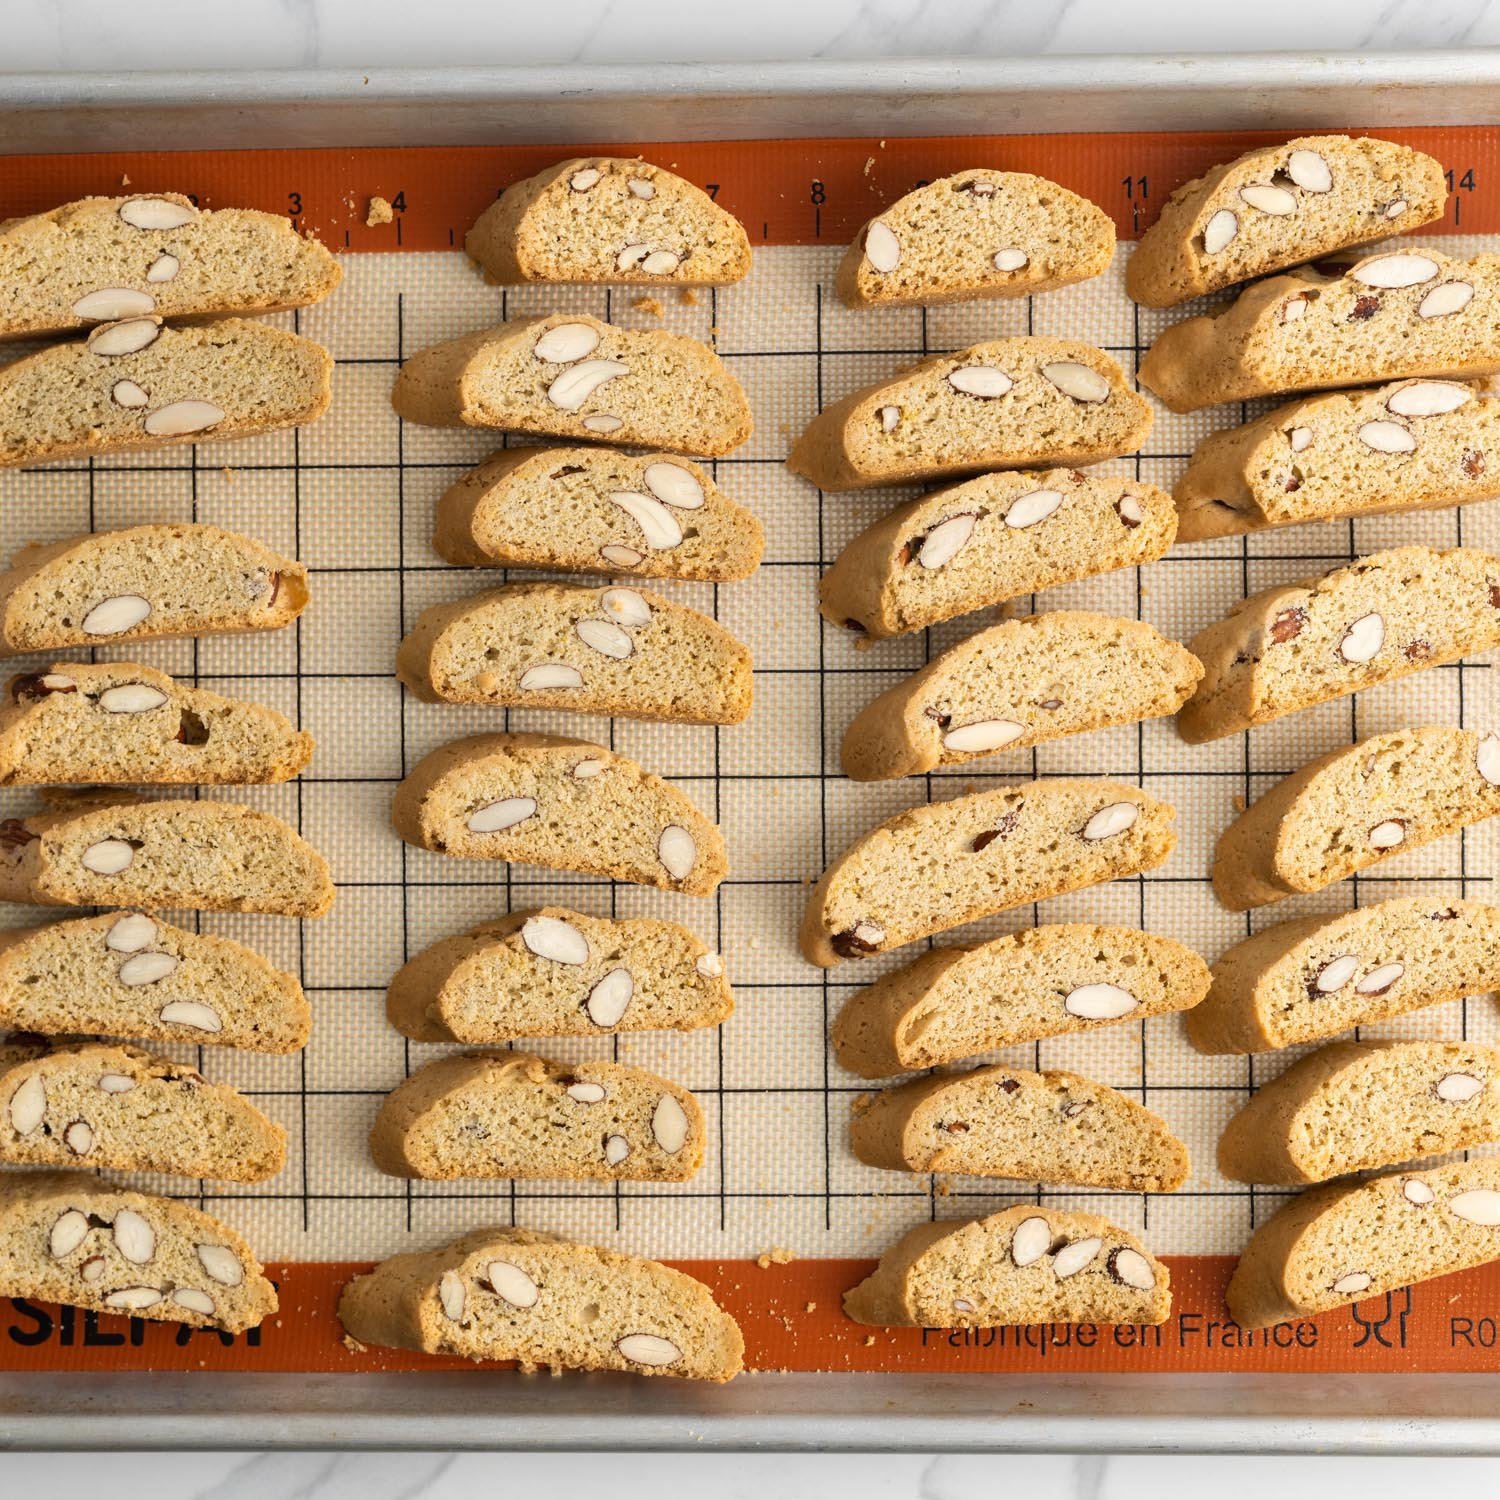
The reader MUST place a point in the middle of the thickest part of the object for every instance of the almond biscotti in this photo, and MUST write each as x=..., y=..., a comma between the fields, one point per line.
x=953, y=1003
x=1018, y=684
x=1345, y=1242
x=137, y=385
x=1390, y=316
x=556, y=972
x=1413, y=445
x=67, y=1237
x=594, y=510
x=205, y=856
x=1354, y=1106
x=570, y=375
x=613, y=651
x=1008, y=1122
x=567, y=804
x=977, y=233
x=608, y=219
x=96, y=1105
x=1025, y=1264
x=100, y=259
x=120, y=722
x=1314, y=977
x=1279, y=206
x=130, y=974
x=145, y=582
x=544, y=1301
x=1353, y=807
x=1370, y=621
x=990, y=539
x=938, y=866
x=516, y=1115
x=1008, y=404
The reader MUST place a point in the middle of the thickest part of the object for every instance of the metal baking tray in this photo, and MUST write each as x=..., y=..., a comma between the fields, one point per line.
x=1428, y=1414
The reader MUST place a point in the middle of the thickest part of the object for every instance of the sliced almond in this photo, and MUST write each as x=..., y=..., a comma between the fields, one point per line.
x=582, y=180
x=1414, y=1190
x=179, y=418
x=128, y=394
x=661, y=263
x=641, y=188
x=1309, y=171
x=1099, y=1002
x=1269, y=198
x=709, y=965
x=981, y=381
x=1400, y=268
x=1362, y=641
x=890, y=418
x=625, y=607
x=452, y=1294
x=112, y=302
x=221, y=1263
x=577, y=383
x=28, y=1106
x=1131, y=1268
x=655, y=520
x=1035, y=505
x=677, y=851
x=135, y=1239
x=946, y=540
x=603, y=422
x=1030, y=1241
x=565, y=342
x=1458, y=1088
x=1487, y=758
x=1351, y=1283
x=669, y=1125
x=882, y=248
x=1072, y=1259
x=1111, y=820
x=1078, y=381
x=1395, y=208
x=1379, y=980
x=495, y=817
x=605, y=637
x=983, y=735
x=621, y=556
x=130, y=337
x=156, y=213
x=1300, y=438
x=511, y=1284
x=587, y=1092
x=554, y=939
x=1220, y=230
x=586, y=770
x=550, y=675
x=79, y=1137
x=1387, y=437
x=1449, y=297
x=648, y=1349
x=610, y=997
x=1128, y=508
x=1388, y=834
x=197, y=1015
x=107, y=857
x=1428, y=398
x=115, y=615
x=116, y=1083
x=191, y=1299
x=131, y=698
x=1010, y=259
x=133, y=1298
x=1335, y=974
x=164, y=268
x=631, y=255
x=1477, y=1206
x=147, y=968
x=68, y=1232
x=616, y=1149
x=673, y=485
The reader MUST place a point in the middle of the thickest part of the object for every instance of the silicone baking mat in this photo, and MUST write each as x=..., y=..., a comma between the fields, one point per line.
x=352, y=496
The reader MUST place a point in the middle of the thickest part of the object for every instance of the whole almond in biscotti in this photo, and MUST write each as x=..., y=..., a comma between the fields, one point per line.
x=990, y=539
x=1407, y=446
x=1031, y=1127
x=145, y=582
x=1025, y=1264
x=121, y=851
x=977, y=233
x=594, y=510
x=135, y=385
x=563, y=803
x=1355, y=806
x=516, y=1115
x=99, y=259
x=608, y=219
x=1348, y=1242
x=941, y=865
x=1395, y=315
x=953, y=1003
x=122, y=723
x=518, y=1294
x=93, y=1104
x=571, y=375
x=1373, y=620
x=72, y=1239
x=131, y=974
x=551, y=971
x=1278, y=206
x=1008, y=404
x=615, y=651
x=1018, y=684
x=1314, y=977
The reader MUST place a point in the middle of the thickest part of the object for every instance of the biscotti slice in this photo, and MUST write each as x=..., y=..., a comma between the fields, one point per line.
x=551, y=971
x=952, y=1003
x=1352, y=807
x=1007, y=1122
x=1007, y=404
x=1279, y=206
x=1020, y=683
x=136, y=385
x=1343, y=1243
x=1025, y=1264
x=544, y=1301
x=145, y=582
x=608, y=219
x=631, y=653
x=205, y=856
x=513, y=1114
x=568, y=804
x=133, y=975
x=96, y=1105
x=1314, y=977
x=69, y=1238
x=120, y=722
x=570, y=375
x=977, y=233
x=1371, y=621
x=1387, y=317
x=990, y=539
x=1414, y=445
x=938, y=866
x=105, y=258
x=1353, y=1106
x=593, y=510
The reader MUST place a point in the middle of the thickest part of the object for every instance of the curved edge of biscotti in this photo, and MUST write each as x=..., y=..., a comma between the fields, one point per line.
x=66, y=1220
x=425, y=1301
x=242, y=1144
